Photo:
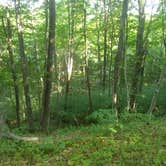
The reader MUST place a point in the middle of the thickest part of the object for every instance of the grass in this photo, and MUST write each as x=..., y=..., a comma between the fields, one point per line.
x=135, y=142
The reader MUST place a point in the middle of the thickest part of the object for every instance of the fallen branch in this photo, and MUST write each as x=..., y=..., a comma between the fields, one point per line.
x=5, y=132
x=13, y=136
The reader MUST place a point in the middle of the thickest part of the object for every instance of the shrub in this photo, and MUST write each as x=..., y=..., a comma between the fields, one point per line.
x=47, y=146
x=101, y=116
x=131, y=117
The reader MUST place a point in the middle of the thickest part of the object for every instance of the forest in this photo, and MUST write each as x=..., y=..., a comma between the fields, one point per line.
x=83, y=82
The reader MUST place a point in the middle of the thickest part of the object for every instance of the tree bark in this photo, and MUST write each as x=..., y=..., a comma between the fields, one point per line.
x=45, y=117
x=163, y=72
x=156, y=92
x=105, y=44
x=139, y=55
x=98, y=26
x=119, y=55
x=46, y=27
x=38, y=87
x=145, y=46
x=125, y=69
x=112, y=40
x=69, y=58
x=23, y=65
x=86, y=59
x=8, y=32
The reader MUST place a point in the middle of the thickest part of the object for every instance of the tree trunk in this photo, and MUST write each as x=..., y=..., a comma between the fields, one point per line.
x=145, y=45
x=46, y=27
x=163, y=72
x=112, y=40
x=119, y=55
x=125, y=69
x=156, y=92
x=86, y=59
x=98, y=26
x=69, y=59
x=23, y=65
x=110, y=64
x=8, y=32
x=45, y=117
x=105, y=44
x=139, y=55
x=39, y=82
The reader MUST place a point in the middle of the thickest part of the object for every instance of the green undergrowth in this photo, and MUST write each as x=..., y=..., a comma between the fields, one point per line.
x=134, y=141
x=77, y=107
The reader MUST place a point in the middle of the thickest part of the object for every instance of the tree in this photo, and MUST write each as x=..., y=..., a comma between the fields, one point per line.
x=86, y=58
x=69, y=58
x=139, y=55
x=23, y=65
x=163, y=71
x=105, y=42
x=112, y=41
x=8, y=33
x=120, y=54
x=45, y=117
x=98, y=26
x=144, y=52
x=94, y=46
x=46, y=26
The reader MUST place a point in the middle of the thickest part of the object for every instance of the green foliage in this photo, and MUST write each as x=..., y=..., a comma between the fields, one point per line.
x=35, y=40
x=47, y=146
x=22, y=129
x=7, y=108
x=144, y=99
x=130, y=117
x=102, y=116
x=17, y=150
x=136, y=143
x=77, y=110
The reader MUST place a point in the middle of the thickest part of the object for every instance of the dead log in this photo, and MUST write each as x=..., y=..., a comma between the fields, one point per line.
x=5, y=132
x=10, y=135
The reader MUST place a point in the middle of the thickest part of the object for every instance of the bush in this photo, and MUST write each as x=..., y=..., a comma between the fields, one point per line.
x=47, y=146
x=77, y=110
x=144, y=99
x=101, y=116
x=132, y=117
x=8, y=109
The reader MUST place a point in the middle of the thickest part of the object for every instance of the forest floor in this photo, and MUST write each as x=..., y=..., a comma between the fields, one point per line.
x=130, y=143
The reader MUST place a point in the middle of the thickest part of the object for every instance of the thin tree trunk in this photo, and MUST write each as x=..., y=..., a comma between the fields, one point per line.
x=23, y=65
x=119, y=55
x=156, y=92
x=112, y=38
x=139, y=55
x=98, y=26
x=125, y=70
x=105, y=44
x=46, y=27
x=38, y=68
x=45, y=117
x=145, y=45
x=8, y=32
x=110, y=68
x=69, y=59
x=163, y=72
x=86, y=59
